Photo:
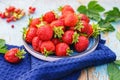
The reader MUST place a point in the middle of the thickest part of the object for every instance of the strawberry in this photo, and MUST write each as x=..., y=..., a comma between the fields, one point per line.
x=47, y=48
x=85, y=27
x=10, y=9
x=67, y=8
x=90, y=30
x=31, y=10
x=82, y=26
x=34, y=22
x=30, y=34
x=84, y=17
x=63, y=49
x=70, y=20
x=49, y=17
x=14, y=55
x=36, y=43
x=45, y=32
x=57, y=23
x=82, y=44
x=70, y=37
x=55, y=41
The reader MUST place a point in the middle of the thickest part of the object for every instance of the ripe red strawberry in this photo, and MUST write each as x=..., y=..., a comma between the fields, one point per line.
x=57, y=23
x=31, y=10
x=36, y=43
x=55, y=41
x=34, y=22
x=85, y=27
x=84, y=17
x=62, y=49
x=30, y=34
x=70, y=20
x=49, y=17
x=47, y=48
x=82, y=44
x=14, y=55
x=90, y=30
x=10, y=9
x=68, y=36
x=45, y=32
x=67, y=8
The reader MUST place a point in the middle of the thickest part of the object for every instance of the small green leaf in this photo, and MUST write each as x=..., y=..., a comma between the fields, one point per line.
x=113, y=71
x=118, y=35
x=93, y=15
x=82, y=9
x=95, y=7
x=113, y=15
x=117, y=62
x=92, y=10
x=2, y=43
x=106, y=25
x=3, y=51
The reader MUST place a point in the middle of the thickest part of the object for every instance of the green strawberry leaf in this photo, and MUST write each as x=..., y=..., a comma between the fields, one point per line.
x=118, y=35
x=117, y=62
x=113, y=15
x=113, y=71
x=2, y=43
x=3, y=48
x=92, y=10
x=82, y=9
x=95, y=7
x=107, y=25
x=3, y=51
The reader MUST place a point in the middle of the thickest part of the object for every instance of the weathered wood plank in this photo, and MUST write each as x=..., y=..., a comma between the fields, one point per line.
x=98, y=73
x=84, y=75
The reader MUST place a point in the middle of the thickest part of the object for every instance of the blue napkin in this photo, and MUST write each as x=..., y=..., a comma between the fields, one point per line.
x=31, y=68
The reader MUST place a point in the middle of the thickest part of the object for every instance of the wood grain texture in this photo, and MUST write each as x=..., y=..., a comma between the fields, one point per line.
x=84, y=75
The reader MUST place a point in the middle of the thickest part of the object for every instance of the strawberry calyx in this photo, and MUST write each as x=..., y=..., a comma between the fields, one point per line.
x=75, y=37
x=58, y=31
x=60, y=8
x=56, y=14
x=46, y=52
x=97, y=30
x=79, y=26
x=42, y=23
x=24, y=31
x=29, y=21
x=69, y=52
x=20, y=54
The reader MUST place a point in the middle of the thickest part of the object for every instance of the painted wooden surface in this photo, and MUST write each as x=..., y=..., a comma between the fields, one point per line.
x=14, y=36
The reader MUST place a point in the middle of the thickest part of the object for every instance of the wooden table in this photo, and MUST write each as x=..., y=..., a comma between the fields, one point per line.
x=14, y=35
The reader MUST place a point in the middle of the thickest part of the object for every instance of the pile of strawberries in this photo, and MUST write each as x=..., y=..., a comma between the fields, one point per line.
x=12, y=14
x=55, y=34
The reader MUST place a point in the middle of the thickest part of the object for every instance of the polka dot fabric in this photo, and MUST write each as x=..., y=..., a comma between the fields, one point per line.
x=31, y=68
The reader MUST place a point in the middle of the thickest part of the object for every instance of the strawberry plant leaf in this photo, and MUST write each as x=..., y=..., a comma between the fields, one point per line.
x=95, y=7
x=113, y=71
x=92, y=10
x=117, y=62
x=113, y=15
x=3, y=48
x=3, y=51
x=82, y=9
x=118, y=35
x=2, y=43
x=107, y=25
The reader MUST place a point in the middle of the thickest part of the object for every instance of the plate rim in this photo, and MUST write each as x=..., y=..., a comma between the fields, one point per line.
x=48, y=58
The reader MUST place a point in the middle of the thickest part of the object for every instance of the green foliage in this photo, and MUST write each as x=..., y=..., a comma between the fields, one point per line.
x=92, y=10
x=3, y=48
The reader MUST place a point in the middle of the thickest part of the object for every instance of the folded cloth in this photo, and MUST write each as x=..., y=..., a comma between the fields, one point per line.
x=31, y=68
